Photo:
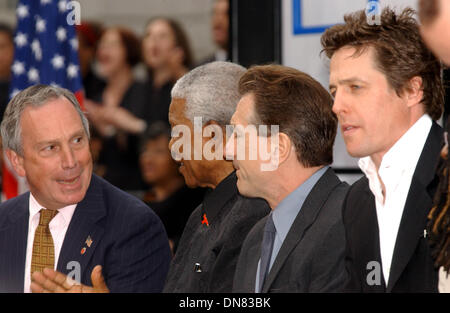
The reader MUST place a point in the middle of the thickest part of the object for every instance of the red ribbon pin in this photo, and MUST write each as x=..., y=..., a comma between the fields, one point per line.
x=205, y=220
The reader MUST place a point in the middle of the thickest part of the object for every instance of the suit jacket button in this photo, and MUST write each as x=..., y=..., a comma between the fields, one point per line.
x=197, y=268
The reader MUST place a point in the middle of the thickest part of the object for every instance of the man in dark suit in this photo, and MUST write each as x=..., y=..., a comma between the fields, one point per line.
x=300, y=246
x=71, y=220
x=203, y=102
x=388, y=94
x=220, y=24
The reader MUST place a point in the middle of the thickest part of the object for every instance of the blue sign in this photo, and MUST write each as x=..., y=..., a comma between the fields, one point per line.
x=299, y=29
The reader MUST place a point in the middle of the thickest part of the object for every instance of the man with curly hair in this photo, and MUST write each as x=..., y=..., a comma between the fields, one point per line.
x=388, y=93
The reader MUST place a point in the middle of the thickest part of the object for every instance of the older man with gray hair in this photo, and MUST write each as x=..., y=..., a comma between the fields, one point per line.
x=72, y=224
x=203, y=102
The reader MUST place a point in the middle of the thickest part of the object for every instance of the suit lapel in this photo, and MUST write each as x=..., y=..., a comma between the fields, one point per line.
x=13, y=241
x=417, y=206
x=307, y=215
x=84, y=232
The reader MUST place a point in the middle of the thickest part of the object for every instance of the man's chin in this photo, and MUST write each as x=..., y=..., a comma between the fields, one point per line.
x=192, y=185
x=242, y=190
x=190, y=182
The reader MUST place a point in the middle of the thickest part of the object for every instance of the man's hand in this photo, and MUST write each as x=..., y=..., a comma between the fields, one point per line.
x=50, y=281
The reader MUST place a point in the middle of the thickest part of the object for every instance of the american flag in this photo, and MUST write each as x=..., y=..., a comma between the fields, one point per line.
x=46, y=52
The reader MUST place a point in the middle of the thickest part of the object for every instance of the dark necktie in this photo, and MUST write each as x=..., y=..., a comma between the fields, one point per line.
x=266, y=250
x=43, y=248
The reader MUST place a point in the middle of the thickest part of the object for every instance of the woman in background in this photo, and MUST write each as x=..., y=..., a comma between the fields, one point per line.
x=167, y=56
x=439, y=220
x=118, y=52
x=167, y=195
x=435, y=22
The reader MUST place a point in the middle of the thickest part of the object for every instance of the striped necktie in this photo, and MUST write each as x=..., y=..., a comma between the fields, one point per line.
x=266, y=250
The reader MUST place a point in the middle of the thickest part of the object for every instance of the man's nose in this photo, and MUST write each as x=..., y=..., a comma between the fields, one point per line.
x=338, y=103
x=68, y=158
x=230, y=151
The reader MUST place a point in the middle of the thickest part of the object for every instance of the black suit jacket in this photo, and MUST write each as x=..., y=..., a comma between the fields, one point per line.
x=215, y=246
x=412, y=267
x=311, y=258
x=128, y=240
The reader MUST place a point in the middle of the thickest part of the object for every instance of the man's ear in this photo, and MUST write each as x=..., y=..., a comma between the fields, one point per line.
x=213, y=130
x=414, y=91
x=16, y=161
x=284, y=147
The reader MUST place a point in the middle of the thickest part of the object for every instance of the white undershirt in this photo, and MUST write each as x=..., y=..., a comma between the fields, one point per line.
x=58, y=228
x=396, y=171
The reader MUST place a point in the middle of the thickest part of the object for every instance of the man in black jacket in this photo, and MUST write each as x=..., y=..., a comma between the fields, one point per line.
x=203, y=102
x=387, y=94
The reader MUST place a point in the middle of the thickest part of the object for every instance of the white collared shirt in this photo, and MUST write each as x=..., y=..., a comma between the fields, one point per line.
x=58, y=228
x=396, y=171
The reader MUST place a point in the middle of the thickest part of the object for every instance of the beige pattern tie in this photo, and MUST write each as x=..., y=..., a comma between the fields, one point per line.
x=43, y=248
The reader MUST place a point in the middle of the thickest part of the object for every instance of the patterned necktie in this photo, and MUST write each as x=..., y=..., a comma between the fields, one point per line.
x=266, y=250
x=43, y=247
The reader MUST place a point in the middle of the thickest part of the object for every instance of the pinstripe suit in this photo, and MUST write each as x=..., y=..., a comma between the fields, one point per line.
x=128, y=240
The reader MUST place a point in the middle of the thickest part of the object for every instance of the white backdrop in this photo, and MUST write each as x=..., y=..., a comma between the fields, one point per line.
x=301, y=45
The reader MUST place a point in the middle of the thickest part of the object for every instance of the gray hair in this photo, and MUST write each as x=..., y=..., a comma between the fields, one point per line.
x=211, y=91
x=34, y=96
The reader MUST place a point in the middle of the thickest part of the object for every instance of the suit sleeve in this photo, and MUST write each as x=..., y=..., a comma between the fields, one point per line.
x=352, y=283
x=140, y=257
x=328, y=267
x=225, y=266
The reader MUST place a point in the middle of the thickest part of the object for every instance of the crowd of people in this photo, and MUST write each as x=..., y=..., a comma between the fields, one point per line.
x=278, y=221
x=123, y=107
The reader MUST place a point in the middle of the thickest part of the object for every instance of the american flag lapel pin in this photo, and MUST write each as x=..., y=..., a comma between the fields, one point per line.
x=88, y=241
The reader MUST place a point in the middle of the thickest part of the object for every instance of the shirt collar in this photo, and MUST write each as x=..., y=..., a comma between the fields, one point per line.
x=66, y=212
x=287, y=210
x=216, y=198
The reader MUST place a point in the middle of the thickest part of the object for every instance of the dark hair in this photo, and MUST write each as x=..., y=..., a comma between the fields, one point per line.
x=154, y=131
x=299, y=105
x=90, y=32
x=439, y=216
x=400, y=52
x=428, y=10
x=131, y=43
x=5, y=28
x=181, y=39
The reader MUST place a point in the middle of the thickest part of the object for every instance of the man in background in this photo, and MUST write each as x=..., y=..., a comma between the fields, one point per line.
x=220, y=24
